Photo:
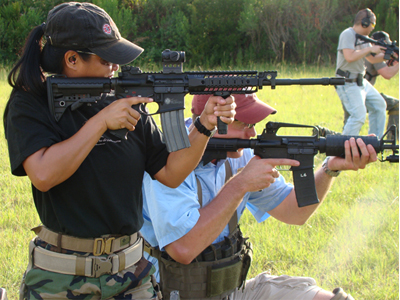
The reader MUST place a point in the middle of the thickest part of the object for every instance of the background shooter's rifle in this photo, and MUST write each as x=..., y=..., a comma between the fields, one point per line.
x=301, y=148
x=390, y=48
x=168, y=89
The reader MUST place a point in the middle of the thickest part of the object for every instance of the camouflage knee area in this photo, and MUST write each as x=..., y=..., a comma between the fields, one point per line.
x=132, y=283
x=323, y=131
x=392, y=104
x=394, y=110
x=341, y=295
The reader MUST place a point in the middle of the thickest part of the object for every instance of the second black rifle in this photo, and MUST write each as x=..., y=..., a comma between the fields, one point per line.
x=390, y=48
x=301, y=148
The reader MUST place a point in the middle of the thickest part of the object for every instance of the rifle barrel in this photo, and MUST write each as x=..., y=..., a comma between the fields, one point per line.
x=311, y=81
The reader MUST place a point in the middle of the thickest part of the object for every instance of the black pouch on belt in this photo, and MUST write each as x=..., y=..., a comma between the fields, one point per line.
x=360, y=79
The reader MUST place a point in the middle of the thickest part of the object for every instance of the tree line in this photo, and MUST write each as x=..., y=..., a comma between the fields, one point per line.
x=215, y=32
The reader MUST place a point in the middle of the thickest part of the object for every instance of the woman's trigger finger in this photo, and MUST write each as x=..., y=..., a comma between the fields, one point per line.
x=137, y=100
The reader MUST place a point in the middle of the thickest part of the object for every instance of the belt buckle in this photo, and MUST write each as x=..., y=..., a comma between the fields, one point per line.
x=108, y=245
x=101, y=266
x=105, y=246
x=96, y=250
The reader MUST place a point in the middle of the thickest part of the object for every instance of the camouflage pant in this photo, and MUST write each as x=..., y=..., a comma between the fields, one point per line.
x=135, y=282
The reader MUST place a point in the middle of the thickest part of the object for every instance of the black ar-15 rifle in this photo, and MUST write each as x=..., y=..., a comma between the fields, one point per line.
x=168, y=89
x=301, y=148
x=390, y=48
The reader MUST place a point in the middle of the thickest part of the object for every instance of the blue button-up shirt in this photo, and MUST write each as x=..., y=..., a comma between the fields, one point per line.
x=171, y=213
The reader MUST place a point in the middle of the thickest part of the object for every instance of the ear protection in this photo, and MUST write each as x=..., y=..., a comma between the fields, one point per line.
x=72, y=59
x=365, y=22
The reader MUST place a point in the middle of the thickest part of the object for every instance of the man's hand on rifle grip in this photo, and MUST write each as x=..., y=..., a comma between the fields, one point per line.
x=260, y=173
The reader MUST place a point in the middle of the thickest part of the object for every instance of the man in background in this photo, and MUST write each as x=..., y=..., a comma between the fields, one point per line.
x=387, y=70
x=358, y=95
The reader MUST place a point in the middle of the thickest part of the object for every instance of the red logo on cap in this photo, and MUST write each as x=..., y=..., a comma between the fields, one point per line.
x=107, y=29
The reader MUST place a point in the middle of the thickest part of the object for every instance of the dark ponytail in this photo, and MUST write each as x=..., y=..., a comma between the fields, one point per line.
x=27, y=74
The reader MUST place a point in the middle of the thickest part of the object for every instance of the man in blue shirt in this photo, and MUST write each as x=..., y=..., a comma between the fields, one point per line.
x=191, y=224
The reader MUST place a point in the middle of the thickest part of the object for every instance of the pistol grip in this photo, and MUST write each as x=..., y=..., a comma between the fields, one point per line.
x=123, y=132
x=222, y=127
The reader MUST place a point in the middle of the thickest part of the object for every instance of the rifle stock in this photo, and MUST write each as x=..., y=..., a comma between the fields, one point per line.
x=301, y=148
x=168, y=89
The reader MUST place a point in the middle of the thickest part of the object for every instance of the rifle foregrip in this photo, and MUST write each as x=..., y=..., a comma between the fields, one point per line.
x=222, y=127
x=174, y=130
x=304, y=185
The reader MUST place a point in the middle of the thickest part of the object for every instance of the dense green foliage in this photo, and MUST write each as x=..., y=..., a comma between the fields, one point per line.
x=215, y=32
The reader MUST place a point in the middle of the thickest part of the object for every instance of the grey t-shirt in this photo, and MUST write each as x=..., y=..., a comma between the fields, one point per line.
x=372, y=70
x=347, y=40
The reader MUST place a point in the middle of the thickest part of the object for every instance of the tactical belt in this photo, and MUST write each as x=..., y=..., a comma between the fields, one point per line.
x=359, y=77
x=89, y=266
x=214, y=279
x=218, y=271
x=97, y=246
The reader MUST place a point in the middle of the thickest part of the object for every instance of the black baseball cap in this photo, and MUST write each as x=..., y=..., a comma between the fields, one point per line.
x=75, y=25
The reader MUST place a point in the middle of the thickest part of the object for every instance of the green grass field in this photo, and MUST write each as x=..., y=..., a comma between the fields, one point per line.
x=352, y=241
